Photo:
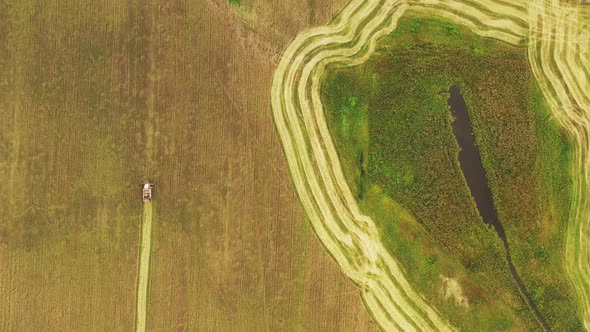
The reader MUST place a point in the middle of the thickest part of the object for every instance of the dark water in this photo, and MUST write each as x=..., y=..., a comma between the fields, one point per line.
x=474, y=173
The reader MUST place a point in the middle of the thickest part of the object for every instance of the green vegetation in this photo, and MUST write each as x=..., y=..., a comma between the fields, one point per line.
x=235, y=2
x=391, y=124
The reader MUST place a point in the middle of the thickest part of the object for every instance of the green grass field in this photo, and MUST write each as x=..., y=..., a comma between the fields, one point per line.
x=391, y=125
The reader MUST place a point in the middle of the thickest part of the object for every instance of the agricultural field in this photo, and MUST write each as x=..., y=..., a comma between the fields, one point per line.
x=96, y=97
x=305, y=172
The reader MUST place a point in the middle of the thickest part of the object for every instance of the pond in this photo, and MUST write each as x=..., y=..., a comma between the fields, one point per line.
x=475, y=176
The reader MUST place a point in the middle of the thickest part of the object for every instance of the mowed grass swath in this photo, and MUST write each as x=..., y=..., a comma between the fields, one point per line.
x=349, y=235
x=84, y=89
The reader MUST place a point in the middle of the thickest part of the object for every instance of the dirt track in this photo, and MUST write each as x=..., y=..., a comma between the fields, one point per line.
x=352, y=238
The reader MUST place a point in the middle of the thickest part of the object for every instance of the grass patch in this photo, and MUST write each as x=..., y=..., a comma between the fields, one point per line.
x=391, y=124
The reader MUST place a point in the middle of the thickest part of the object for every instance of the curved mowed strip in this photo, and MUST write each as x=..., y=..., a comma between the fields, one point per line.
x=548, y=28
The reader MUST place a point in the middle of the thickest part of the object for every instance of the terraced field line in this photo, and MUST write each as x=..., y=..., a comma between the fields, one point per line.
x=351, y=237
x=145, y=248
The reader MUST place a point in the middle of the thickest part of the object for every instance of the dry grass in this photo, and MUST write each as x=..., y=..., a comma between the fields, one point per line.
x=84, y=90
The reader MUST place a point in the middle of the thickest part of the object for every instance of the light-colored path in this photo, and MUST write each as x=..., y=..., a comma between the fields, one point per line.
x=143, y=274
x=546, y=27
